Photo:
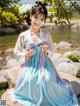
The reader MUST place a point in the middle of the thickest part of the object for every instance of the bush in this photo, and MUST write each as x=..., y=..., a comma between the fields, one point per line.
x=74, y=57
x=14, y=9
x=8, y=19
x=11, y=17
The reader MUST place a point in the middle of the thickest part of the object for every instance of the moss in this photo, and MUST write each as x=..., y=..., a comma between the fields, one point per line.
x=74, y=57
x=2, y=90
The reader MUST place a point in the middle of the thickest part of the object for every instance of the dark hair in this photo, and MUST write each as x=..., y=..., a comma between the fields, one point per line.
x=38, y=8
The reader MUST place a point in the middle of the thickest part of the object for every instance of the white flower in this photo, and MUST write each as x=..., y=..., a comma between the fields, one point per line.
x=24, y=8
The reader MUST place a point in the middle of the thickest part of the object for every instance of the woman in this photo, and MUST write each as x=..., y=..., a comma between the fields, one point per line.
x=39, y=83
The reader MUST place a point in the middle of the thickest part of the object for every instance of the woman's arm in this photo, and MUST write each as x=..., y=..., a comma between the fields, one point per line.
x=19, y=50
x=22, y=53
x=50, y=42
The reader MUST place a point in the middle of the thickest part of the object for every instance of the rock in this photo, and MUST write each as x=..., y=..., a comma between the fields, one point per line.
x=7, y=97
x=55, y=47
x=1, y=59
x=64, y=44
x=71, y=52
x=68, y=68
x=11, y=75
x=8, y=58
x=74, y=81
x=78, y=48
x=10, y=50
x=3, y=81
x=11, y=63
x=1, y=62
x=0, y=52
x=59, y=58
x=9, y=100
x=77, y=64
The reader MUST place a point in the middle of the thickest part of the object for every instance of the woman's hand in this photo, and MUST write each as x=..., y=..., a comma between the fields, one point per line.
x=29, y=53
x=45, y=47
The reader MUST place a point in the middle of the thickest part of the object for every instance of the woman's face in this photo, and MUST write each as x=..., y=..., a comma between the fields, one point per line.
x=37, y=21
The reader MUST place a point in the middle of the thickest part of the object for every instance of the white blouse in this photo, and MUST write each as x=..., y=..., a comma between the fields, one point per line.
x=21, y=44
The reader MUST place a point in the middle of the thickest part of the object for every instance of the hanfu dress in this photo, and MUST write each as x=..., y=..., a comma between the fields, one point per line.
x=39, y=83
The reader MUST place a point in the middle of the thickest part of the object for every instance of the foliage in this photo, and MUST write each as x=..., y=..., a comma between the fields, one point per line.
x=74, y=57
x=63, y=11
x=15, y=10
x=7, y=3
x=1, y=91
x=11, y=17
x=74, y=4
x=8, y=13
x=8, y=19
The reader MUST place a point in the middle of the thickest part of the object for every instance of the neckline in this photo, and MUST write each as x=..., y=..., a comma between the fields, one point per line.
x=39, y=37
x=36, y=34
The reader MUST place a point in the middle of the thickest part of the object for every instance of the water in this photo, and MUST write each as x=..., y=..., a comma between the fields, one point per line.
x=57, y=36
x=7, y=41
x=72, y=36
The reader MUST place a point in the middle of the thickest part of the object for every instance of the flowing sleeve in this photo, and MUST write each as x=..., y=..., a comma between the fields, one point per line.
x=19, y=50
x=50, y=42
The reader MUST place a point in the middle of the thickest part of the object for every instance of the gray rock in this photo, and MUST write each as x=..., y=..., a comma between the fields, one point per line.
x=1, y=62
x=11, y=63
x=3, y=81
x=77, y=52
x=6, y=97
x=9, y=100
x=11, y=76
x=64, y=44
x=58, y=58
x=10, y=50
x=68, y=68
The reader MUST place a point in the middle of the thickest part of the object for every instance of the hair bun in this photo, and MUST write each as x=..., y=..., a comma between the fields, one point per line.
x=44, y=4
x=40, y=3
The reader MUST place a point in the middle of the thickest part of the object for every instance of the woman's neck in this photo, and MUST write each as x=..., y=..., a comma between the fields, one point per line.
x=35, y=31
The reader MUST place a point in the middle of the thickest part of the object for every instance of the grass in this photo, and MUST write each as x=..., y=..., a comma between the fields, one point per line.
x=2, y=90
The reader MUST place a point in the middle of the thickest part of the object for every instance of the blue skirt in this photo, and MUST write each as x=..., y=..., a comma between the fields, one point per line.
x=40, y=85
